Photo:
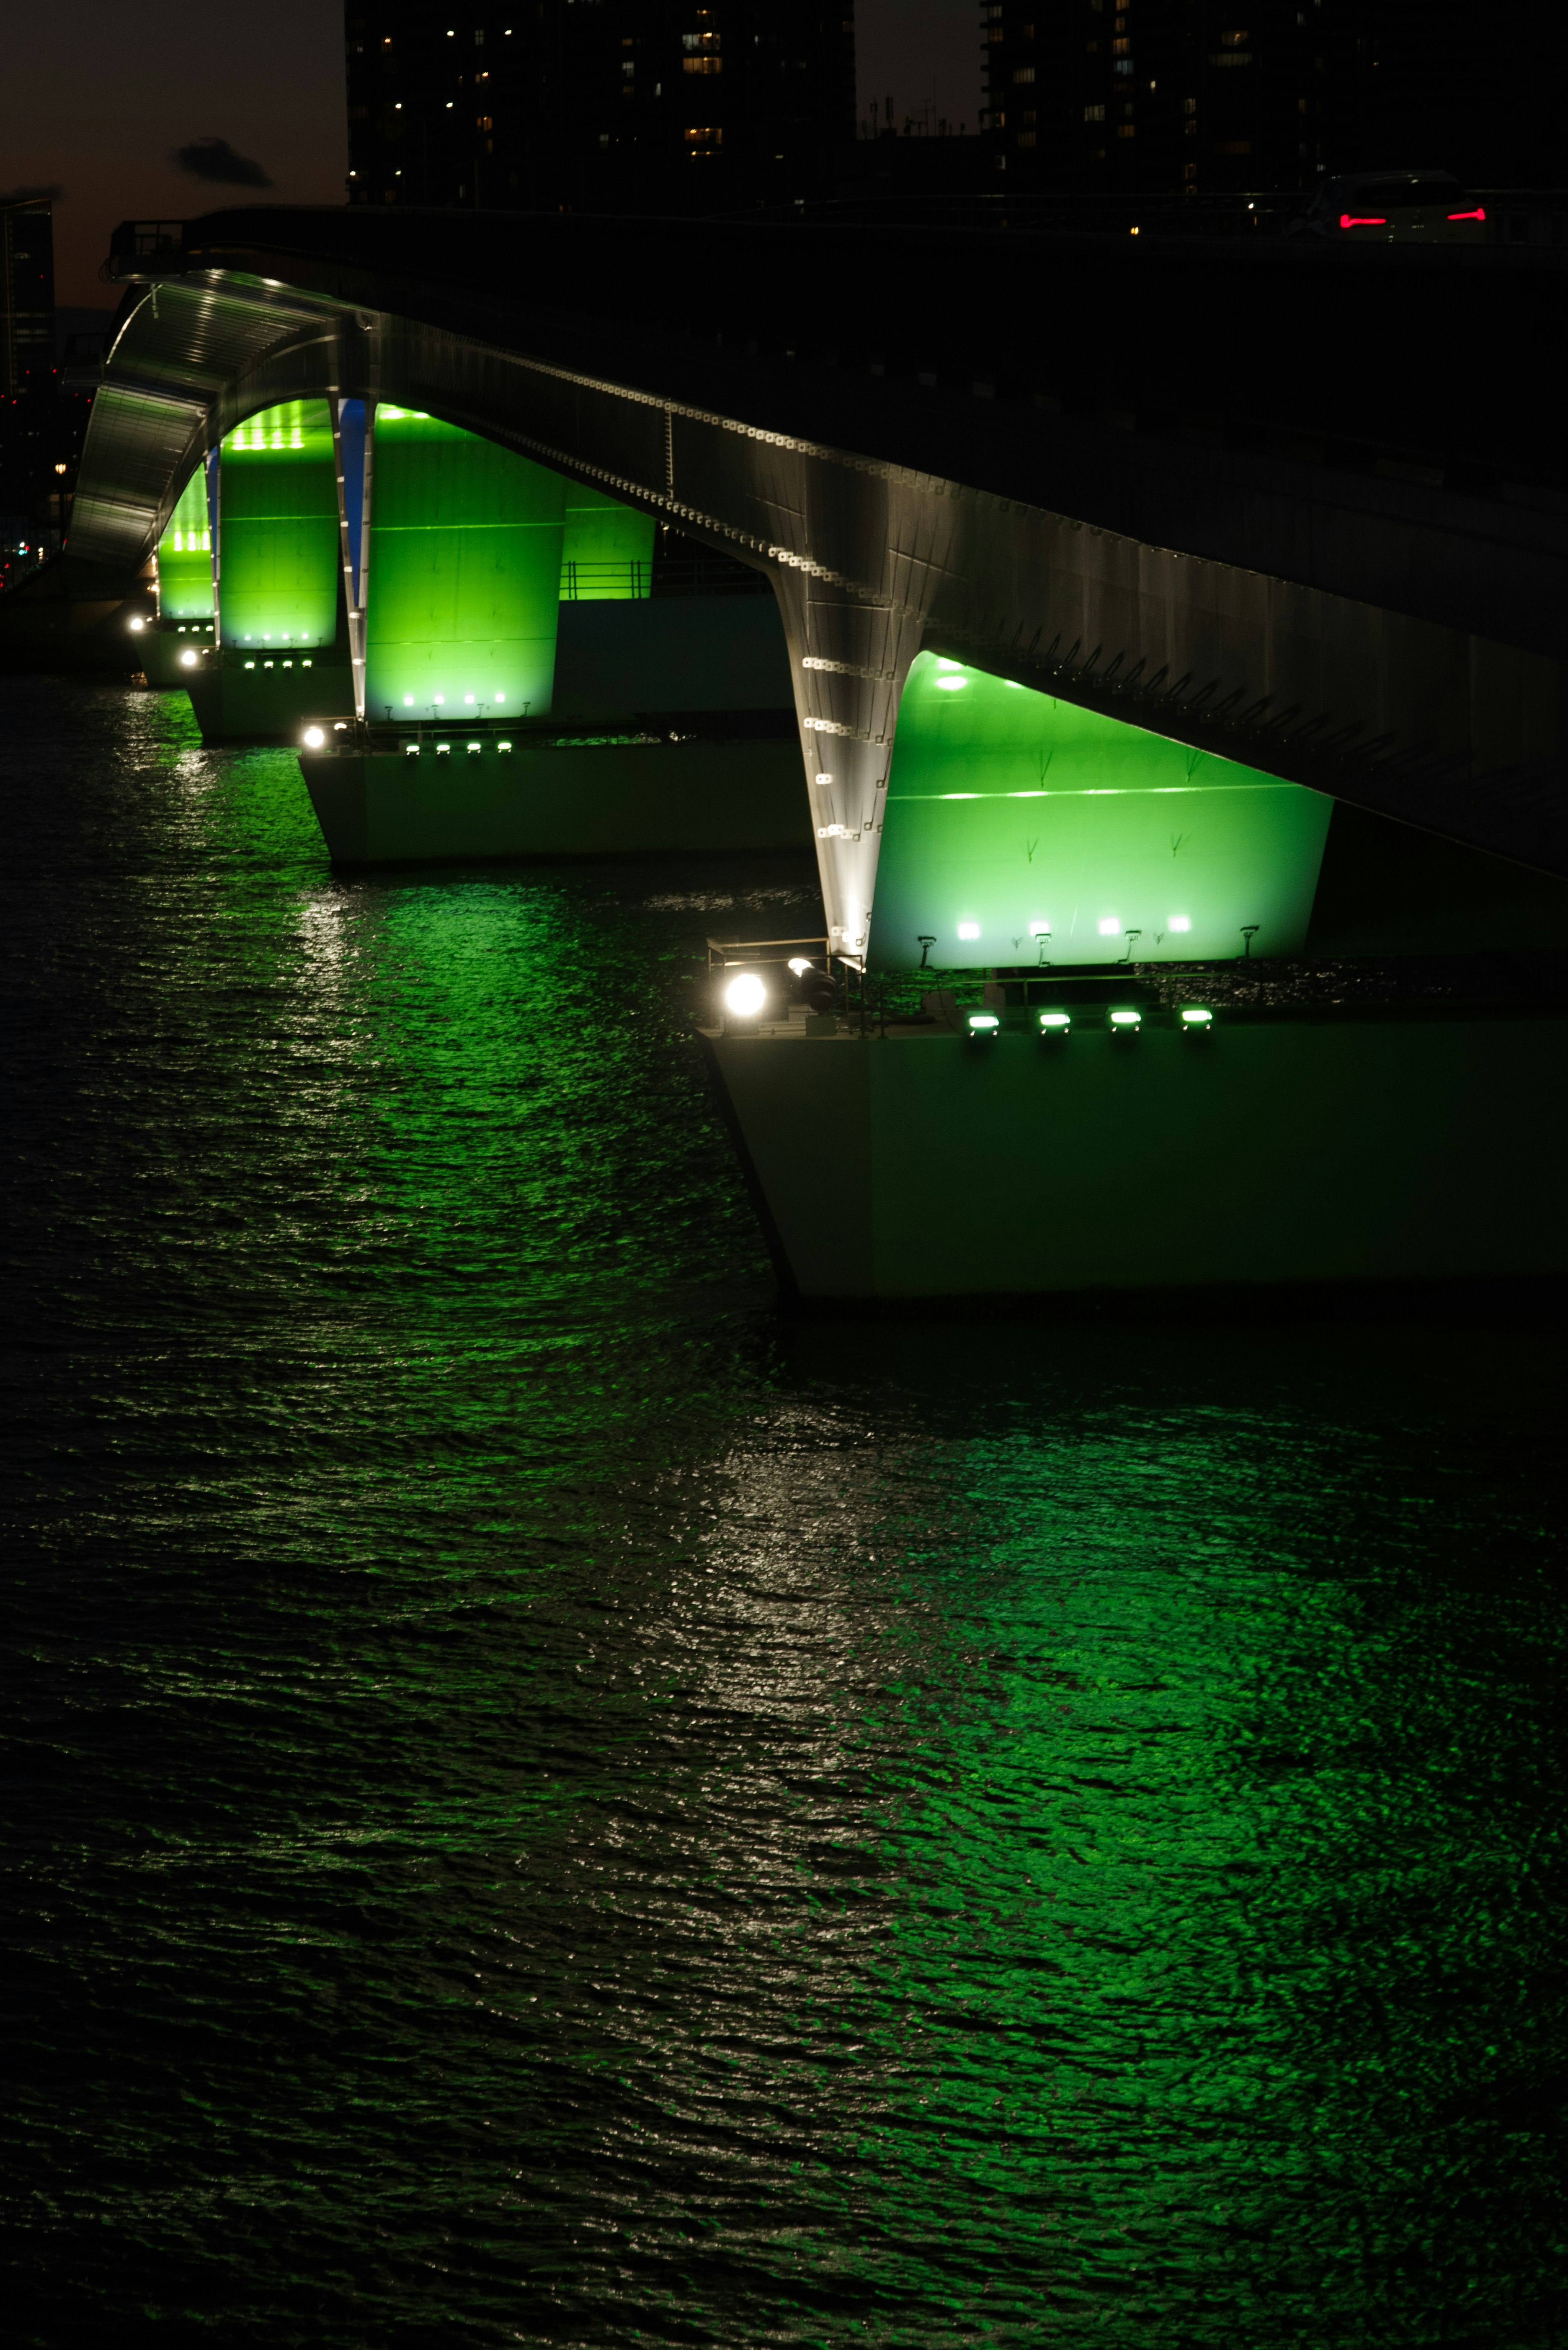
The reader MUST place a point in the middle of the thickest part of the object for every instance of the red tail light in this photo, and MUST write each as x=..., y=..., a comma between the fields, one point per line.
x=1347, y=220
x=1476, y=214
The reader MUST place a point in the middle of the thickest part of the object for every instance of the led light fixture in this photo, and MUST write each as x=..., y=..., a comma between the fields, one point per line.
x=745, y=998
x=800, y=965
x=410, y=750
x=1196, y=1015
x=983, y=1023
x=443, y=750
x=314, y=738
x=187, y=661
x=474, y=749
x=1126, y=1021
x=504, y=746
x=1055, y=1023
x=135, y=625
x=968, y=930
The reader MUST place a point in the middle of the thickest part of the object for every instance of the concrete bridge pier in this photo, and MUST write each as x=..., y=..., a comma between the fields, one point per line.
x=854, y=613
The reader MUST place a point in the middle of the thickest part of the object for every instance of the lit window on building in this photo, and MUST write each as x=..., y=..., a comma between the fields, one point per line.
x=1093, y=113
x=1022, y=73
x=702, y=64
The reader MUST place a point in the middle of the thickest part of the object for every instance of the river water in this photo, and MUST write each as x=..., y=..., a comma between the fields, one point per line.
x=550, y=1805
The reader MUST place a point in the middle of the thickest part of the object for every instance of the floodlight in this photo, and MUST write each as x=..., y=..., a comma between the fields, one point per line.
x=314, y=738
x=745, y=996
x=1127, y=1020
x=1055, y=1023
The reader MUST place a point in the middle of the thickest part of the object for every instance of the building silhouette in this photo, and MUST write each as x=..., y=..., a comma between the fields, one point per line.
x=1159, y=96
x=597, y=105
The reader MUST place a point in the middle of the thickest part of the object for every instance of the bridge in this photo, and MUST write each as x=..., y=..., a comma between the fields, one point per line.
x=1158, y=613
x=1299, y=509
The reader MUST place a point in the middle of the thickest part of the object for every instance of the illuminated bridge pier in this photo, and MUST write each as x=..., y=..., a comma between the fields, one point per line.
x=352, y=575
x=1282, y=637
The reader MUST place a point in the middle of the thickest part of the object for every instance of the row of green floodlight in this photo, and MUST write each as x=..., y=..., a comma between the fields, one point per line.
x=1122, y=1021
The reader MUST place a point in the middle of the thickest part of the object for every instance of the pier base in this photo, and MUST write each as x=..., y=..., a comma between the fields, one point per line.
x=1396, y=1148
x=548, y=799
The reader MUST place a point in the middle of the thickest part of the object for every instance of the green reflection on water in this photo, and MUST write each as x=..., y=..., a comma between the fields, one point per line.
x=557, y=1810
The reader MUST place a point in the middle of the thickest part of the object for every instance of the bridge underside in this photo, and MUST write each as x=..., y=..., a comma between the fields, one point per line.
x=873, y=562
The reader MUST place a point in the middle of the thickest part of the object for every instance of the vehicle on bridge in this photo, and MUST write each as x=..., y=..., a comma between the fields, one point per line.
x=1393, y=208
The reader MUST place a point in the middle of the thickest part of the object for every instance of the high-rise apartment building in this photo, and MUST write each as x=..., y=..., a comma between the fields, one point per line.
x=1145, y=97
x=40, y=430
x=597, y=105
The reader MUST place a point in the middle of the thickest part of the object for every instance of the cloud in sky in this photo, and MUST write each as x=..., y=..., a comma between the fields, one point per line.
x=214, y=159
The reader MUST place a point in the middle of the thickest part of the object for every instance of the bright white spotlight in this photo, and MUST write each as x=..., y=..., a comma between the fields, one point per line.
x=314, y=738
x=745, y=996
x=799, y=966
x=187, y=661
x=1111, y=927
x=136, y=625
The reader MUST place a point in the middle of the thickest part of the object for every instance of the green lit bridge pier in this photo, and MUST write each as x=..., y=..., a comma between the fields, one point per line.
x=358, y=574
x=1178, y=722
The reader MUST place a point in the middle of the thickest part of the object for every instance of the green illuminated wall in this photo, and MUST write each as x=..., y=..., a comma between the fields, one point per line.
x=1011, y=814
x=607, y=556
x=185, y=555
x=464, y=574
x=280, y=562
